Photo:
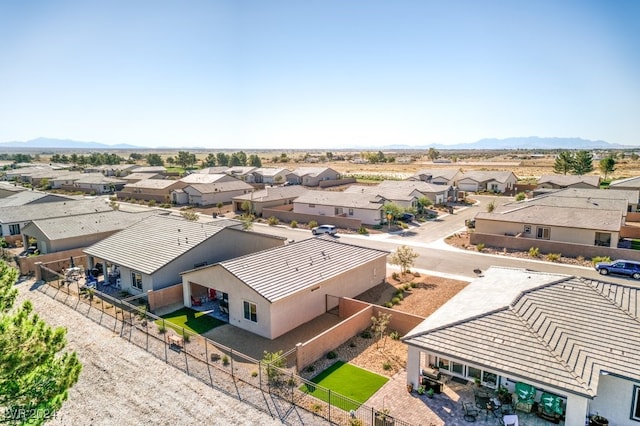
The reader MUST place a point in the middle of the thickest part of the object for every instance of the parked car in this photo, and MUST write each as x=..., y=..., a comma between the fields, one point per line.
x=324, y=229
x=407, y=217
x=630, y=268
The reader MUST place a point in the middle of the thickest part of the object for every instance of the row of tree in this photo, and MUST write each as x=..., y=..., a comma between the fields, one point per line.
x=581, y=163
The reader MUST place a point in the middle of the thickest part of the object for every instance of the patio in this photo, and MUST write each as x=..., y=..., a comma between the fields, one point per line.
x=441, y=409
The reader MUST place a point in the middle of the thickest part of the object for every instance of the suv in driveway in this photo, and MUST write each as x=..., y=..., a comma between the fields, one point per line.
x=630, y=268
x=324, y=229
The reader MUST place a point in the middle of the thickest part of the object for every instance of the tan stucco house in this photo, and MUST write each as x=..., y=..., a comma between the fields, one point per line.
x=269, y=197
x=312, y=176
x=364, y=206
x=274, y=291
x=494, y=181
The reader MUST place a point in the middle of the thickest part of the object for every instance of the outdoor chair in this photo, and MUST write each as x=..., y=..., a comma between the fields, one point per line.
x=470, y=411
x=195, y=302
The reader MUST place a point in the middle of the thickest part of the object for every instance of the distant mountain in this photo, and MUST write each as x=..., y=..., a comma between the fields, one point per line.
x=50, y=143
x=532, y=142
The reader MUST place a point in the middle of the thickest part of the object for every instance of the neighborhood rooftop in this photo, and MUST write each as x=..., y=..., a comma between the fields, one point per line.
x=276, y=193
x=279, y=272
x=334, y=198
x=53, y=209
x=561, y=328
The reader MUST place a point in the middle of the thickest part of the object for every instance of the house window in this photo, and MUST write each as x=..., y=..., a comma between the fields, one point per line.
x=312, y=206
x=457, y=368
x=136, y=280
x=494, y=187
x=443, y=363
x=14, y=229
x=474, y=373
x=350, y=212
x=543, y=233
x=338, y=211
x=489, y=378
x=527, y=229
x=250, y=311
x=635, y=403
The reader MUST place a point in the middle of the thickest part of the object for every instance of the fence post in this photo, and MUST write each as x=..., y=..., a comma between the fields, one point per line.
x=184, y=348
x=231, y=359
x=164, y=339
x=329, y=406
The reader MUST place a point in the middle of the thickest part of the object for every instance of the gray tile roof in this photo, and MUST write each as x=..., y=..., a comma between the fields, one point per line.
x=438, y=173
x=285, y=270
x=566, y=180
x=210, y=188
x=485, y=176
x=340, y=199
x=270, y=171
x=140, y=176
x=99, y=178
x=203, y=177
x=149, y=169
x=552, y=328
x=275, y=193
x=153, y=242
x=86, y=224
x=632, y=182
x=152, y=184
x=27, y=197
x=570, y=217
x=553, y=200
x=30, y=212
x=630, y=195
x=212, y=170
x=6, y=186
x=311, y=171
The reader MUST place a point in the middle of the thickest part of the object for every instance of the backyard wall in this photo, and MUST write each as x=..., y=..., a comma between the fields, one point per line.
x=165, y=297
x=566, y=249
x=337, y=182
x=26, y=264
x=288, y=216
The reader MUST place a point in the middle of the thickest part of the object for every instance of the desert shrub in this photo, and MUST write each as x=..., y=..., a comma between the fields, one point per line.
x=316, y=408
x=162, y=329
x=331, y=355
x=311, y=368
x=352, y=344
x=400, y=296
x=580, y=259
x=416, y=274
x=413, y=285
x=313, y=224
x=395, y=276
x=394, y=335
x=534, y=252
x=151, y=203
x=395, y=300
x=293, y=224
x=480, y=246
x=225, y=360
x=399, y=291
x=363, y=231
x=254, y=373
x=599, y=259
x=406, y=287
x=366, y=334
x=553, y=257
x=388, y=305
x=272, y=221
x=520, y=196
x=386, y=366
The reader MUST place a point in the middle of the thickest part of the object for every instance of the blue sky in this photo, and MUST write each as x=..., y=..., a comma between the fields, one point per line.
x=318, y=74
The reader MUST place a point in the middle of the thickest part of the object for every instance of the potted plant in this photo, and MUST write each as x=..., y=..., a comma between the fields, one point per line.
x=410, y=387
x=477, y=381
x=430, y=393
x=421, y=389
x=598, y=420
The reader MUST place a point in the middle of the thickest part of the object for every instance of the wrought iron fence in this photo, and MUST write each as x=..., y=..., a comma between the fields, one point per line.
x=292, y=399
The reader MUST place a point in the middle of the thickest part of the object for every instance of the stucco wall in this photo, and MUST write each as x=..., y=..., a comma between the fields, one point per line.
x=614, y=399
x=367, y=216
x=26, y=264
x=287, y=216
x=165, y=297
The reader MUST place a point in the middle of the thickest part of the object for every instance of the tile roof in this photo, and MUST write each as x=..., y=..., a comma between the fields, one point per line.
x=566, y=180
x=632, y=182
x=212, y=170
x=86, y=224
x=149, y=169
x=152, y=184
x=210, y=188
x=203, y=178
x=552, y=200
x=570, y=217
x=99, y=178
x=140, y=176
x=630, y=195
x=285, y=270
x=340, y=199
x=153, y=242
x=29, y=212
x=438, y=173
x=275, y=193
x=552, y=328
x=27, y=197
x=270, y=171
x=311, y=171
x=484, y=176
x=6, y=186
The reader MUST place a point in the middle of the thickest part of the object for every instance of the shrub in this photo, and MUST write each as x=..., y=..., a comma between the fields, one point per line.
x=331, y=355
x=313, y=224
x=400, y=296
x=413, y=285
x=395, y=276
x=520, y=196
x=366, y=334
x=406, y=287
x=272, y=221
x=388, y=305
x=293, y=224
x=399, y=291
x=534, y=252
x=553, y=257
x=395, y=300
x=316, y=408
x=394, y=335
x=151, y=203
x=599, y=259
x=580, y=259
x=352, y=344
x=215, y=357
x=480, y=246
x=311, y=368
x=416, y=274
x=254, y=373
x=225, y=360
x=386, y=366
x=363, y=231
x=162, y=329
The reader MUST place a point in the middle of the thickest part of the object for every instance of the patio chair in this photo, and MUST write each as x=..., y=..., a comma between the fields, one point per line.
x=470, y=411
x=195, y=302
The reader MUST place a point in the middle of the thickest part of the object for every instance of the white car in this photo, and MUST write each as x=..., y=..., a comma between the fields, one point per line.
x=324, y=229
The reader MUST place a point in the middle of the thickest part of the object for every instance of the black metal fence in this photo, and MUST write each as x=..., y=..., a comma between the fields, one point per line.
x=279, y=392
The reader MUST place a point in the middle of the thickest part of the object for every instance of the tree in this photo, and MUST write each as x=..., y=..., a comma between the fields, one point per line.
x=171, y=161
x=155, y=160
x=254, y=161
x=607, y=165
x=423, y=203
x=563, y=163
x=219, y=205
x=210, y=161
x=274, y=364
x=583, y=163
x=34, y=373
x=393, y=209
x=379, y=326
x=186, y=159
x=222, y=158
x=404, y=257
x=433, y=154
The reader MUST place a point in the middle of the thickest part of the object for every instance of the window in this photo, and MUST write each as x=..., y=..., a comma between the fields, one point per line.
x=350, y=212
x=635, y=403
x=527, y=229
x=312, y=206
x=543, y=233
x=136, y=280
x=338, y=211
x=474, y=373
x=250, y=311
x=489, y=378
x=14, y=229
x=443, y=363
x=458, y=368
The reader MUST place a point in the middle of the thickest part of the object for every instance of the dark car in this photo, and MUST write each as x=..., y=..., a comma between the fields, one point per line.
x=630, y=268
x=408, y=217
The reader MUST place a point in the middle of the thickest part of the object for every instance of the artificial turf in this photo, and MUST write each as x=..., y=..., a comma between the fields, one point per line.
x=346, y=380
x=194, y=321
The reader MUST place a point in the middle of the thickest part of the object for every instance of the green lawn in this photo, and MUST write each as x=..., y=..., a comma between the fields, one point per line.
x=194, y=321
x=347, y=380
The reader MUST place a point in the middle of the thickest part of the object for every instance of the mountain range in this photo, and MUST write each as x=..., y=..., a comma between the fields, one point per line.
x=532, y=142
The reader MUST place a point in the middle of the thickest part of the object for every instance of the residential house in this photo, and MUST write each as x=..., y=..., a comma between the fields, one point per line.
x=365, y=206
x=438, y=176
x=568, y=181
x=137, y=177
x=161, y=170
x=97, y=183
x=151, y=254
x=312, y=176
x=566, y=338
x=270, y=175
x=269, y=197
x=217, y=170
x=159, y=190
x=196, y=178
x=111, y=169
x=436, y=193
x=244, y=173
x=632, y=183
x=210, y=194
x=65, y=180
x=71, y=232
x=494, y=181
x=30, y=197
x=14, y=218
x=274, y=291
x=7, y=189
